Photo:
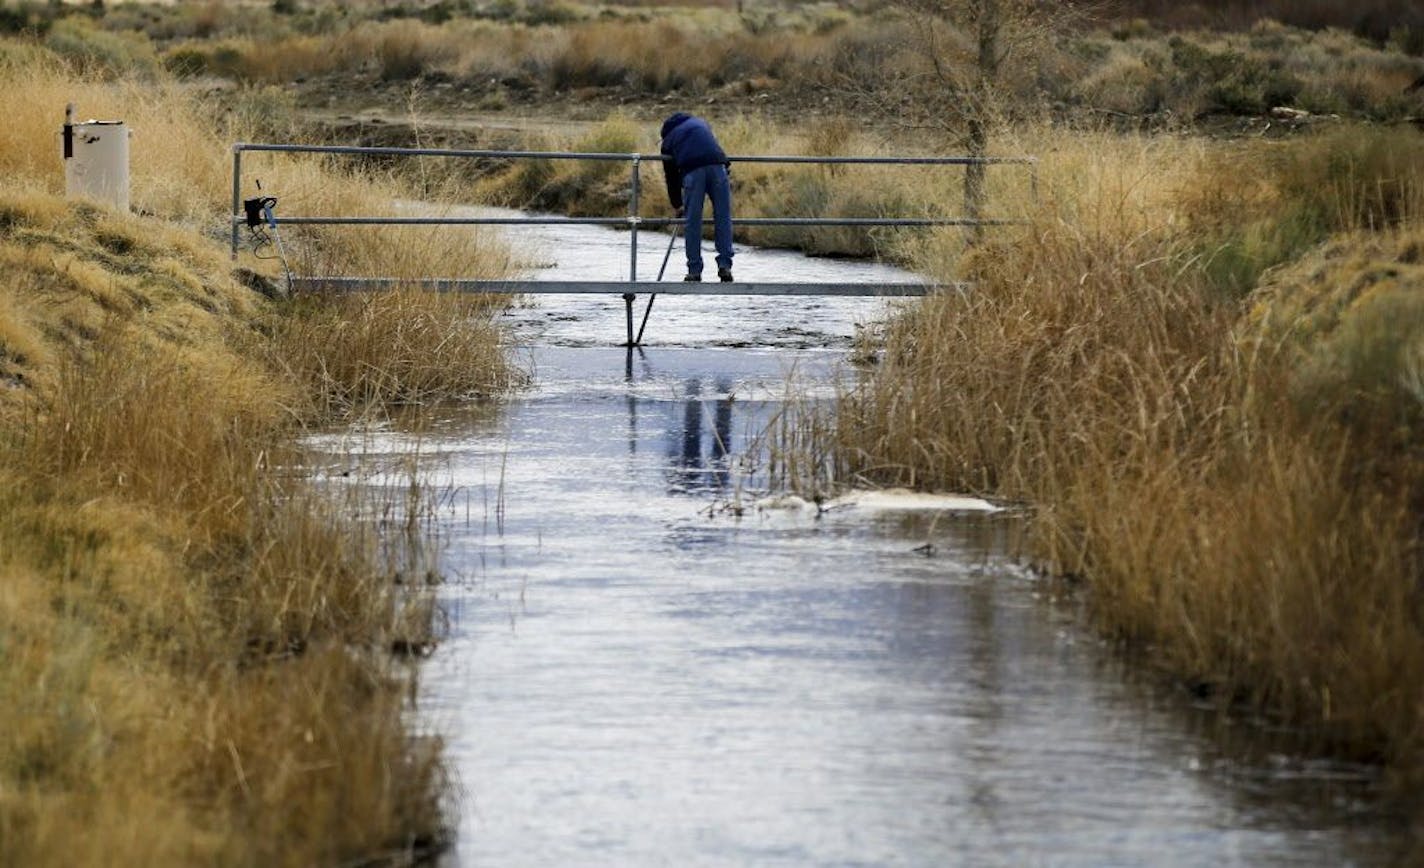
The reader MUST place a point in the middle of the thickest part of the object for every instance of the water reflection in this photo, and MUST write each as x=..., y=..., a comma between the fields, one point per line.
x=632, y=398
x=630, y=681
x=699, y=443
x=698, y=457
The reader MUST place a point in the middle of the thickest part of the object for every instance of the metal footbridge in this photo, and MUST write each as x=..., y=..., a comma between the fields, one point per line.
x=630, y=288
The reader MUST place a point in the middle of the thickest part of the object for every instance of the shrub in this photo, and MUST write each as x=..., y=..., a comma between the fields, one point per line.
x=1352, y=314
x=1125, y=83
x=25, y=17
x=408, y=49
x=77, y=39
x=263, y=112
x=548, y=13
x=281, y=61
x=588, y=60
x=188, y=62
x=1346, y=181
x=1231, y=81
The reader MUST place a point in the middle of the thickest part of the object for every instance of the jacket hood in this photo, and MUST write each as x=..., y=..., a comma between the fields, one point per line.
x=672, y=122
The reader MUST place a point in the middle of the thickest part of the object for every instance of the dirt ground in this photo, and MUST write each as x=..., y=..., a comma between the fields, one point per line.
x=439, y=111
x=446, y=112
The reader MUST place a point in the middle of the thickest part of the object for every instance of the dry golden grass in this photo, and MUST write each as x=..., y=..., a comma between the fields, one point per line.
x=192, y=667
x=363, y=353
x=322, y=187
x=1238, y=489
x=575, y=187
x=357, y=354
x=280, y=61
x=678, y=48
x=195, y=663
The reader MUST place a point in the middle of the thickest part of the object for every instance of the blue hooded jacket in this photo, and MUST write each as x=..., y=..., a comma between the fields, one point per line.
x=689, y=142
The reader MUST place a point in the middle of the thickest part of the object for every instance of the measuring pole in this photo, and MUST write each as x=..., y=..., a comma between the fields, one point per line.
x=628, y=297
x=654, y=297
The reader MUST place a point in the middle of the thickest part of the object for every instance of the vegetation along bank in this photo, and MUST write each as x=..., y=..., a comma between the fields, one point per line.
x=1209, y=386
x=195, y=642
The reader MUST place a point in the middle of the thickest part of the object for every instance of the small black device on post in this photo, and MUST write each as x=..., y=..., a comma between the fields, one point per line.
x=69, y=131
x=258, y=210
x=259, y=216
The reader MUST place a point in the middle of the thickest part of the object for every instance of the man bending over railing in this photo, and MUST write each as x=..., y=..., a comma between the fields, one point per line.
x=697, y=168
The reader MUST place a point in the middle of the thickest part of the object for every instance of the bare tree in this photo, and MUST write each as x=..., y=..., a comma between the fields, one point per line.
x=988, y=20
x=949, y=75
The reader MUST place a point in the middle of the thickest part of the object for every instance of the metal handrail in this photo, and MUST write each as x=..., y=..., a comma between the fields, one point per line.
x=634, y=220
x=613, y=157
x=641, y=221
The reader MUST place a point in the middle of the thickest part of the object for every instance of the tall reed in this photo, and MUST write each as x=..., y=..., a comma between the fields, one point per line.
x=193, y=665
x=1254, y=531
x=360, y=354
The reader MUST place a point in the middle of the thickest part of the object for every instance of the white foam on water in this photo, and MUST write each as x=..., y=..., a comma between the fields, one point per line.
x=904, y=500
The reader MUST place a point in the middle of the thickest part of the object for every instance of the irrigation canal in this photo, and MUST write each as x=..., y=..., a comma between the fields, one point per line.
x=635, y=676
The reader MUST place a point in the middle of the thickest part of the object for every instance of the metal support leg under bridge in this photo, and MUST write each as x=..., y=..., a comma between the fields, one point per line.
x=629, y=288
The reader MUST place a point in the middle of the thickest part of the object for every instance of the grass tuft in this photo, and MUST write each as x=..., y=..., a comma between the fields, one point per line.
x=360, y=354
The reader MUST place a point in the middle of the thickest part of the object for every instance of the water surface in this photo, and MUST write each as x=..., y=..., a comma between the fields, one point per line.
x=649, y=664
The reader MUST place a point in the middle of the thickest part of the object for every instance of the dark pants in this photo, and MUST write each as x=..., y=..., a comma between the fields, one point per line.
x=696, y=185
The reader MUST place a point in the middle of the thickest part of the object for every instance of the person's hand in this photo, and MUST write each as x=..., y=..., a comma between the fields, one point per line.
x=680, y=212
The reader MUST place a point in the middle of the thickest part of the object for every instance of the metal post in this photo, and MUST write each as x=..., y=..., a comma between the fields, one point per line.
x=1033, y=180
x=633, y=220
x=633, y=247
x=236, y=195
